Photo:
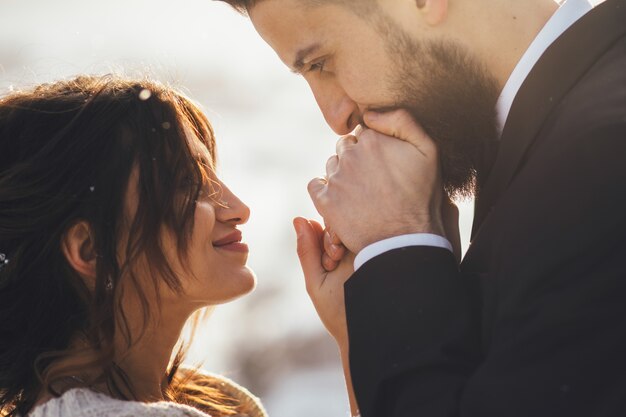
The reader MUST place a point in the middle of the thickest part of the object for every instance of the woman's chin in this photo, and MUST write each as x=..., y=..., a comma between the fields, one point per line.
x=250, y=281
x=242, y=284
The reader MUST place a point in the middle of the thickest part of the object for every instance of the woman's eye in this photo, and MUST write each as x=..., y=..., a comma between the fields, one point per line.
x=187, y=183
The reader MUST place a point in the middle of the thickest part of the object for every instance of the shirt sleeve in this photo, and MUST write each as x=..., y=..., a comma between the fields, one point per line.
x=402, y=241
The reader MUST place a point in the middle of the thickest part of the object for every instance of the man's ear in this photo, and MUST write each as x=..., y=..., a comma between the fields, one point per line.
x=434, y=11
x=79, y=249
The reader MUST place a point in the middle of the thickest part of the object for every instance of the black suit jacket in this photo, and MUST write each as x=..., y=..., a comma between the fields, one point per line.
x=533, y=323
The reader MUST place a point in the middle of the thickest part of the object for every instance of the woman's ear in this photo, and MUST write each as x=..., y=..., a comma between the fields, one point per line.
x=434, y=11
x=79, y=249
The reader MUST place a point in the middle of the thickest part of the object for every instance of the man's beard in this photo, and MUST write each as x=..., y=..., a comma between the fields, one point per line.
x=453, y=97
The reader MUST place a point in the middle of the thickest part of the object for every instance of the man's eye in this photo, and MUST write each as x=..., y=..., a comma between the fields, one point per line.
x=318, y=66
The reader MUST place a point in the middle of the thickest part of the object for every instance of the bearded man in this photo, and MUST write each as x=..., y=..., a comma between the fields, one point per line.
x=521, y=103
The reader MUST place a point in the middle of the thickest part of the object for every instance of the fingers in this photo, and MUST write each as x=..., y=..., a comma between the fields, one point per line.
x=317, y=189
x=316, y=185
x=336, y=250
x=333, y=248
x=309, y=236
x=333, y=237
x=344, y=143
x=401, y=125
x=332, y=165
x=328, y=263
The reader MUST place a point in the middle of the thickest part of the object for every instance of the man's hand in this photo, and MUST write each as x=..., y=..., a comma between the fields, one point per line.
x=383, y=182
x=325, y=288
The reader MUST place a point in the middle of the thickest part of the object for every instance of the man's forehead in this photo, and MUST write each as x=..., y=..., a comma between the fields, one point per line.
x=293, y=31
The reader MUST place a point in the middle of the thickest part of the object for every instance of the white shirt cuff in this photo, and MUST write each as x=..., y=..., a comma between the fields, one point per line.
x=402, y=241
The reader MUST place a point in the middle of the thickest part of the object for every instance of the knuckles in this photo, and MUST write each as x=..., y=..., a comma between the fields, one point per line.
x=312, y=187
x=366, y=136
x=345, y=142
x=332, y=164
x=316, y=190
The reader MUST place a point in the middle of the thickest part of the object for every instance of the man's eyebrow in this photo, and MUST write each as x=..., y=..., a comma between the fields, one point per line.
x=298, y=63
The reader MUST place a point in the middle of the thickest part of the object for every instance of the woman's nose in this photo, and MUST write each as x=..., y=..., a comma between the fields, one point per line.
x=231, y=210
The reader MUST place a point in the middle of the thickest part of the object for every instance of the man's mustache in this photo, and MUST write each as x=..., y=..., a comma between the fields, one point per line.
x=382, y=109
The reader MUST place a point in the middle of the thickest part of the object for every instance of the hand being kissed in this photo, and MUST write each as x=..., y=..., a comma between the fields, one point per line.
x=384, y=181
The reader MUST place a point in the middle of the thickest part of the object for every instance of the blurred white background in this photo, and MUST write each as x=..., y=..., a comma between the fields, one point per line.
x=271, y=139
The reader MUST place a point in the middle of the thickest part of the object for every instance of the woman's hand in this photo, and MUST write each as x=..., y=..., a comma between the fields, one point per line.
x=334, y=250
x=324, y=288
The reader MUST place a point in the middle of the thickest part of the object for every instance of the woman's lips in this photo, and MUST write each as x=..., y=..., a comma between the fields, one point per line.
x=231, y=242
x=235, y=247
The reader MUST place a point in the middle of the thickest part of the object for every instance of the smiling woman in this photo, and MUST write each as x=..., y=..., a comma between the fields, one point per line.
x=114, y=232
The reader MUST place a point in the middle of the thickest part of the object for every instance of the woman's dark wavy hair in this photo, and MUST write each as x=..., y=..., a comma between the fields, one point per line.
x=67, y=150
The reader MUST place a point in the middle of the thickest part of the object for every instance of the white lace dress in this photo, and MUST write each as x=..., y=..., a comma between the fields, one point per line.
x=82, y=402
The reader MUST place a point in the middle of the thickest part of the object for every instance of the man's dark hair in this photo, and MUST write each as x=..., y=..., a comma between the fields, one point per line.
x=243, y=6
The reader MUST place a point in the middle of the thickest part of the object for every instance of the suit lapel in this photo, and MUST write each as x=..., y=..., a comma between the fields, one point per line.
x=563, y=64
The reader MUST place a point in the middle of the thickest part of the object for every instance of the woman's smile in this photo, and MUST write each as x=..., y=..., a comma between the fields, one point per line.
x=231, y=242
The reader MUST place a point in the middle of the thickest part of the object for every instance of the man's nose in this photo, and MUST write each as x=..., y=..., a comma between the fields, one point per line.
x=341, y=113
